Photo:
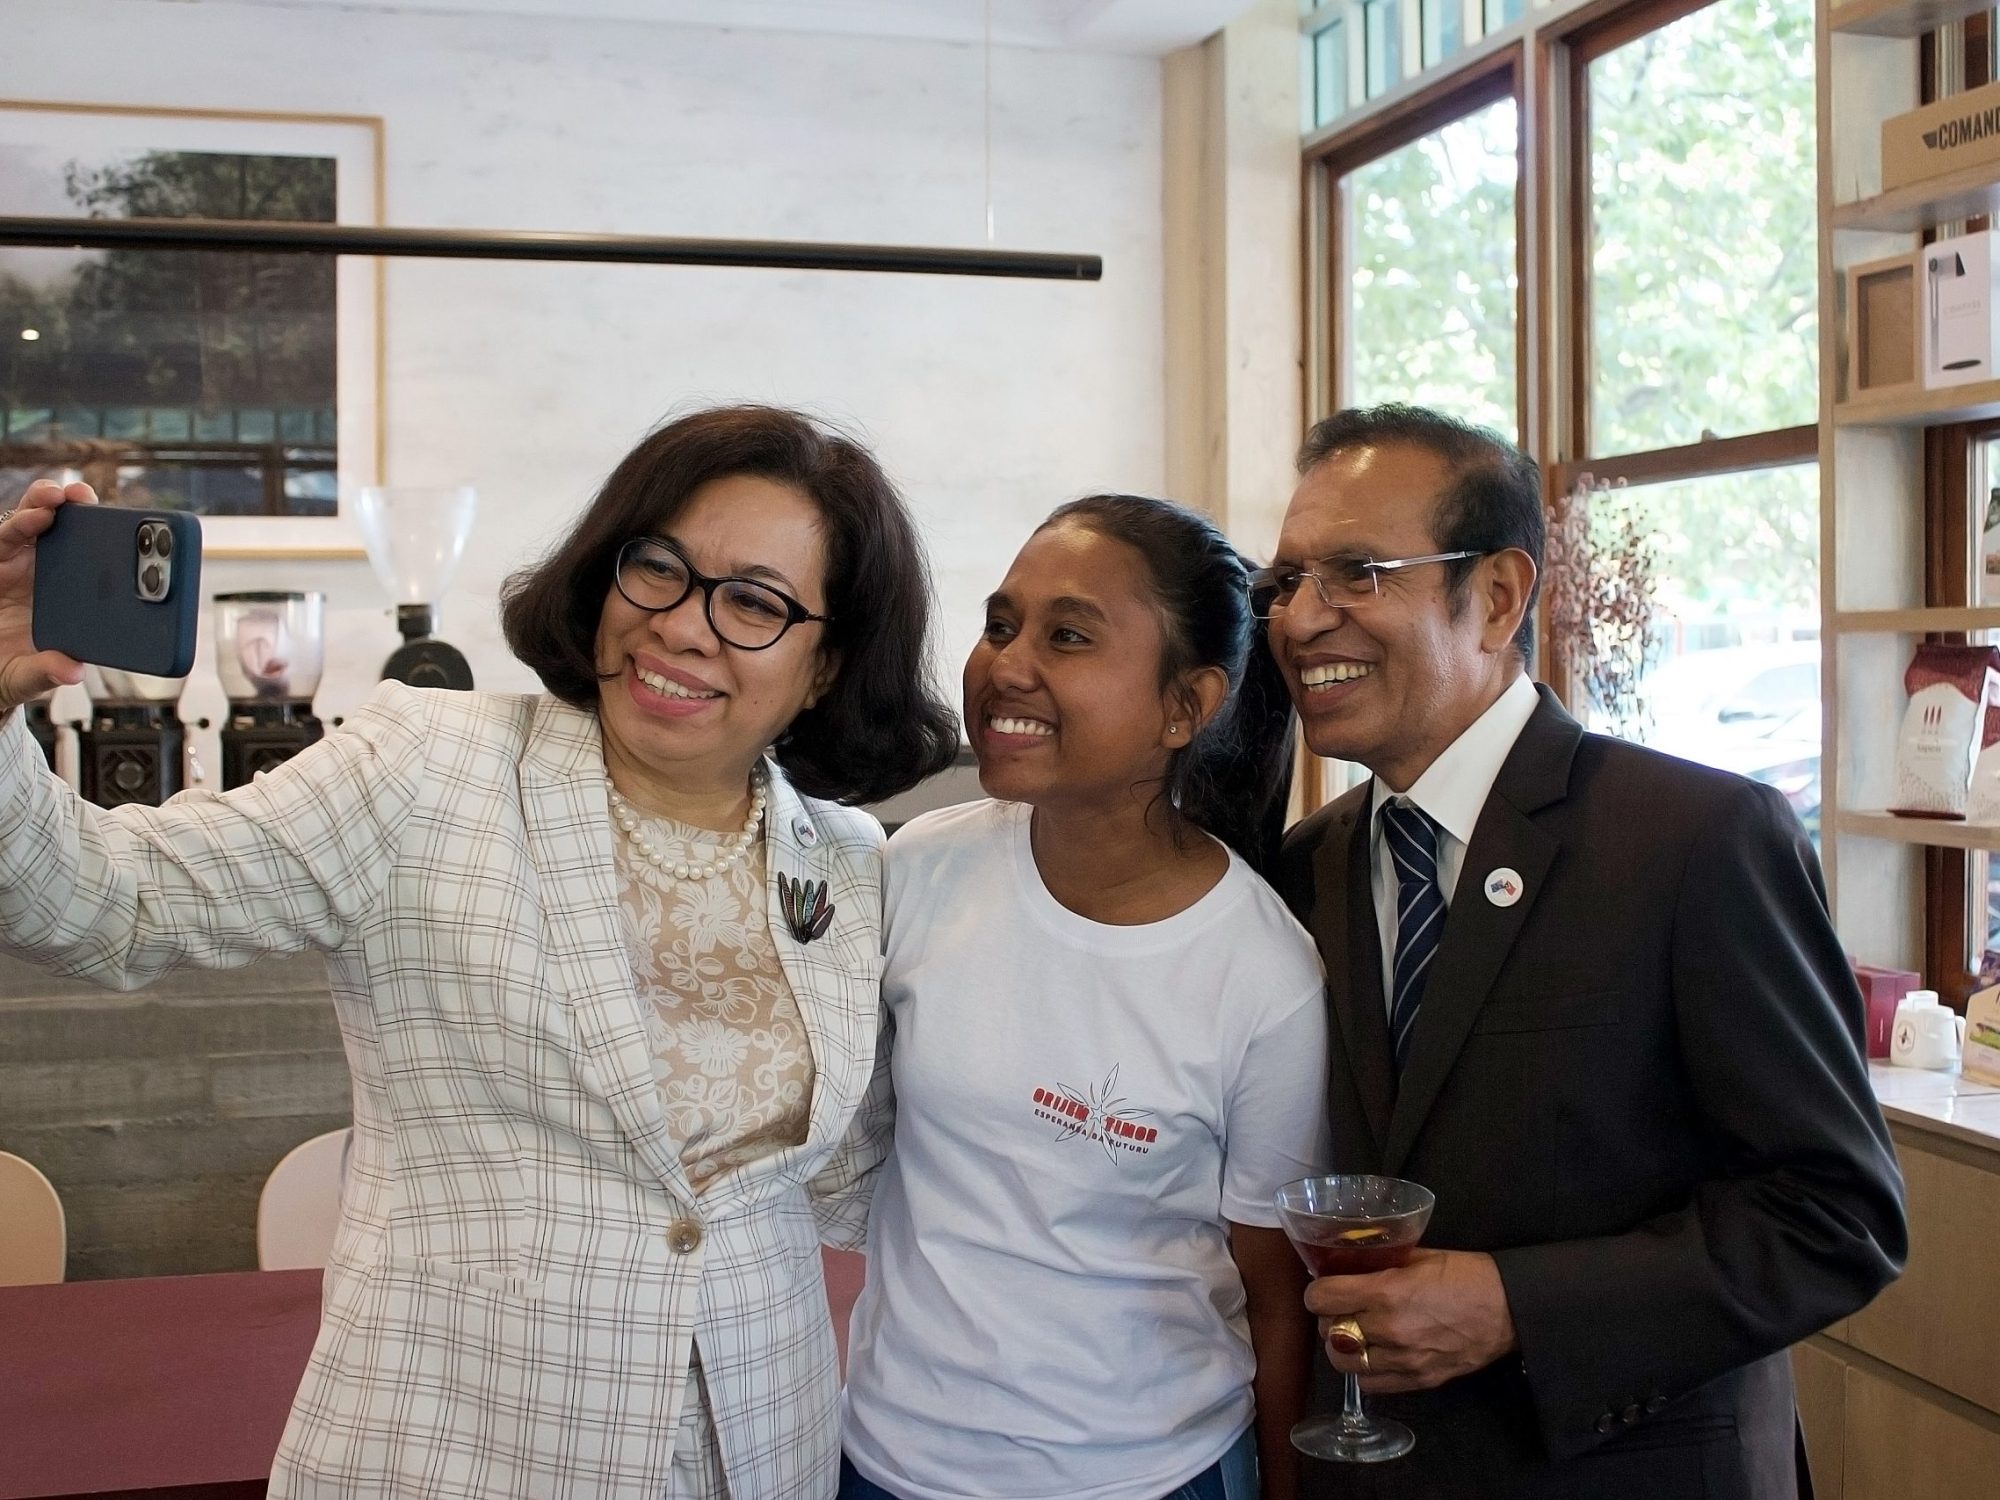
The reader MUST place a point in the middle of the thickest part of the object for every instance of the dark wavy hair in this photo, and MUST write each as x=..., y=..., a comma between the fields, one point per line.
x=1233, y=778
x=882, y=726
x=1495, y=500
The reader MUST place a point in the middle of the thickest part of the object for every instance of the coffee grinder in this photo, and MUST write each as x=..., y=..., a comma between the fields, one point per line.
x=416, y=538
x=270, y=648
x=133, y=746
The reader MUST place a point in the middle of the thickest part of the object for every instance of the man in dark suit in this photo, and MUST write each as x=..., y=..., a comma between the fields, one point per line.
x=1587, y=994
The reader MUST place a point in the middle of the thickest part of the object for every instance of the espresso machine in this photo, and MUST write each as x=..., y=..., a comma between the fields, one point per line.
x=133, y=747
x=270, y=648
x=416, y=538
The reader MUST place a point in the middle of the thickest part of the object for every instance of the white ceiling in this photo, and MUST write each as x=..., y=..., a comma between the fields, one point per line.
x=1130, y=26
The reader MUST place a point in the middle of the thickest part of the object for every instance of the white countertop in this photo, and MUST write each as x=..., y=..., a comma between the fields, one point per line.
x=1965, y=1108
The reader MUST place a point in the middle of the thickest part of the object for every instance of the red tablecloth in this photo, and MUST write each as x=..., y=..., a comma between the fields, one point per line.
x=170, y=1385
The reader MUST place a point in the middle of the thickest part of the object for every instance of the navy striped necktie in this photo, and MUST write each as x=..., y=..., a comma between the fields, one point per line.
x=1413, y=849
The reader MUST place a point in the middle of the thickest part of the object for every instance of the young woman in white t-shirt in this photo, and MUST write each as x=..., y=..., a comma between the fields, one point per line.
x=1109, y=1050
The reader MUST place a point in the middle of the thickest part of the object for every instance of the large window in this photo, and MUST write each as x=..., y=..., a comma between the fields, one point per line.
x=1434, y=289
x=1382, y=27
x=1443, y=27
x=1734, y=675
x=1695, y=364
x=1358, y=50
x=1704, y=295
x=1667, y=226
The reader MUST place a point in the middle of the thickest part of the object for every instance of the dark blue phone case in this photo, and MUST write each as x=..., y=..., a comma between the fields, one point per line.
x=87, y=600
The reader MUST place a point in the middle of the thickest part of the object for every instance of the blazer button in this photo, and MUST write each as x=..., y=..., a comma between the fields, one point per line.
x=1630, y=1414
x=684, y=1236
x=1655, y=1406
x=1606, y=1422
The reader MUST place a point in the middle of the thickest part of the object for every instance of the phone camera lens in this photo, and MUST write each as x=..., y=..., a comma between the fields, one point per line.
x=163, y=541
x=149, y=579
x=145, y=541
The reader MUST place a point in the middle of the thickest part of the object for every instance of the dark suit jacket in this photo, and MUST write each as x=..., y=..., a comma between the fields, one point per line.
x=1642, y=1090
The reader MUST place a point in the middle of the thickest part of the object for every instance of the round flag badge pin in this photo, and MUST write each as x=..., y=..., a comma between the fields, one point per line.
x=1503, y=886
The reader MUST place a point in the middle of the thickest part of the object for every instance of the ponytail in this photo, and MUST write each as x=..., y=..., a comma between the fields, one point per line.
x=1235, y=780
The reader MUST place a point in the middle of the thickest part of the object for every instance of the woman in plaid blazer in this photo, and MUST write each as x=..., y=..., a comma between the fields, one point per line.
x=547, y=1282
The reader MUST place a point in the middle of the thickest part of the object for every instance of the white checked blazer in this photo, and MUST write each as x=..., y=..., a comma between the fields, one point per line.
x=512, y=1302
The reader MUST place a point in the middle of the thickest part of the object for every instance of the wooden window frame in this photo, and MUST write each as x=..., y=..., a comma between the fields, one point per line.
x=1545, y=69
x=1591, y=34
x=1593, y=38
x=1483, y=82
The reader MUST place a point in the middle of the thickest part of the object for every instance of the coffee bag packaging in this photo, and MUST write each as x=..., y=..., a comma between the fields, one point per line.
x=1982, y=802
x=1982, y=1036
x=1951, y=688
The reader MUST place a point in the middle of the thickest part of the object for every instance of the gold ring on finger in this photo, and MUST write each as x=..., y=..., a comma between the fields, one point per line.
x=1346, y=1335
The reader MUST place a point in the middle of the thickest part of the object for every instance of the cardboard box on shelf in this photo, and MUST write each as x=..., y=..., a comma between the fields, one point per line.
x=1961, y=131
x=1882, y=989
x=1960, y=302
x=1982, y=1037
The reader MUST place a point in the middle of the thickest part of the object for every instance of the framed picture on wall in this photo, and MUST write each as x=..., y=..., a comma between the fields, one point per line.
x=244, y=387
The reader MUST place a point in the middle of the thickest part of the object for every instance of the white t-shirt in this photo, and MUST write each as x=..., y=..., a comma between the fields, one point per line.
x=1051, y=1310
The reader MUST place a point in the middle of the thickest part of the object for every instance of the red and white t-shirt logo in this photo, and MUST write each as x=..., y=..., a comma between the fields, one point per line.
x=1097, y=1114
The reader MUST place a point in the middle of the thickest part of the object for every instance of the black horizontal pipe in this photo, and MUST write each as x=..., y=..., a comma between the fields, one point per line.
x=531, y=244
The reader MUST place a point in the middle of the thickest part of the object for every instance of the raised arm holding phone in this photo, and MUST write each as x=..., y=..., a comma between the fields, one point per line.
x=606, y=961
x=25, y=672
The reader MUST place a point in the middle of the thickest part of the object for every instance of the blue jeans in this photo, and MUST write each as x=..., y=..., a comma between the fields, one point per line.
x=1231, y=1477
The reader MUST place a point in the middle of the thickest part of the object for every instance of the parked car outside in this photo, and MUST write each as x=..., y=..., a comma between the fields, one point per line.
x=1754, y=710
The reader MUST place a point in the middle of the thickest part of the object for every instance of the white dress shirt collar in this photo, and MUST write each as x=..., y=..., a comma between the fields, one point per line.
x=1455, y=786
x=1453, y=790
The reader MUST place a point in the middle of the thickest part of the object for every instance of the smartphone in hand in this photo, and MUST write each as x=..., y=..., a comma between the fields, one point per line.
x=120, y=588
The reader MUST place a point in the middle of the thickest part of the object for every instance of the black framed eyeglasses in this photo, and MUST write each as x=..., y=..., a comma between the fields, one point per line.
x=1342, y=581
x=751, y=616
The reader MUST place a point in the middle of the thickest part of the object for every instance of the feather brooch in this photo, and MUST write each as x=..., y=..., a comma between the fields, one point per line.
x=807, y=911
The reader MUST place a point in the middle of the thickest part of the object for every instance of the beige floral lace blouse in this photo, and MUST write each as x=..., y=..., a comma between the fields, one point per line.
x=729, y=1049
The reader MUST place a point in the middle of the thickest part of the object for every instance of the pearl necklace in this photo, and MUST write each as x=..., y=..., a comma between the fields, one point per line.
x=734, y=851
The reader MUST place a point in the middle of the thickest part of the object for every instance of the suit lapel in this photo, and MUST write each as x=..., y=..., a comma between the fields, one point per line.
x=1479, y=935
x=1344, y=915
x=830, y=996
x=569, y=839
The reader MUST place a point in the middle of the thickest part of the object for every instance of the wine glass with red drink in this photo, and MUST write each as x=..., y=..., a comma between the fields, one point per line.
x=1351, y=1225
